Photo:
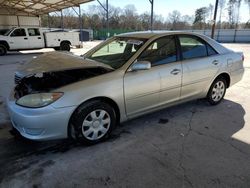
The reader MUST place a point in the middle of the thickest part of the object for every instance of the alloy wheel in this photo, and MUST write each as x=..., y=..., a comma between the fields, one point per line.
x=218, y=91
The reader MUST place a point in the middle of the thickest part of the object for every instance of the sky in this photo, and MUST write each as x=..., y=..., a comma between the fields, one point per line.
x=164, y=7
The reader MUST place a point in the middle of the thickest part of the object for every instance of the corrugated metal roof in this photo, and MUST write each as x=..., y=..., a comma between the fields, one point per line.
x=39, y=7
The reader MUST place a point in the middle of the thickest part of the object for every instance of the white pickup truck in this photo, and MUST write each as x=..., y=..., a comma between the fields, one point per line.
x=27, y=38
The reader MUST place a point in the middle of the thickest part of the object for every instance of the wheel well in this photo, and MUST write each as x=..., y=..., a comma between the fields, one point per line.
x=65, y=41
x=110, y=102
x=226, y=77
x=5, y=44
x=103, y=99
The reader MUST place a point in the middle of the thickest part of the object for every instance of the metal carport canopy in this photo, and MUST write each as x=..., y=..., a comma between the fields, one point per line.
x=39, y=7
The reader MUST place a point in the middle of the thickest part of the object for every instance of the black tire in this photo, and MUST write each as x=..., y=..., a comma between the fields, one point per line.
x=3, y=50
x=78, y=130
x=216, y=92
x=65, y=46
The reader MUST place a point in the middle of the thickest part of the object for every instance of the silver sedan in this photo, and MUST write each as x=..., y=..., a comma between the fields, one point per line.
x=59, y=95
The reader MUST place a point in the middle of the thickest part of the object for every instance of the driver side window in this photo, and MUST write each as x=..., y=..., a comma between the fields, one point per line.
x=161, y=51
x=18, y=33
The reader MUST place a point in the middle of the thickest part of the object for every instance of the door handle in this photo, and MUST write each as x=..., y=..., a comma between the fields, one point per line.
x=25, y=38
x=175, y=71
x=39, y=37
x=215, y=62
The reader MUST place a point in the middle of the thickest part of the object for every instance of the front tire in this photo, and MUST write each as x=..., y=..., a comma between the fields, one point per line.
x=93, y=122
x=3, y=50
x=217, y=91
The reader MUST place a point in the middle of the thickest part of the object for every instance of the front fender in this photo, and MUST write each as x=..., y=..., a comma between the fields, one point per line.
x=108, y=85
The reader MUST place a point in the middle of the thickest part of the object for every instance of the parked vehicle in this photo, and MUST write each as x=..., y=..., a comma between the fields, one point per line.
x=22, y=38
x=60, y=95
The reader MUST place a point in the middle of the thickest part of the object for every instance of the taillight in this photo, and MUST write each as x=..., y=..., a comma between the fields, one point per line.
x=242, y=57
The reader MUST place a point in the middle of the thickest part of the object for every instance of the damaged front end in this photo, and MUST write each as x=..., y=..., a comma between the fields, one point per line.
x=48, y=81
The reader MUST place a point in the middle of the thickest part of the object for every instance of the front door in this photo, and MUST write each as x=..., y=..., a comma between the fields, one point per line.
x=19, y=39
x=141, y=90
x=159, y=85
x=170, y=70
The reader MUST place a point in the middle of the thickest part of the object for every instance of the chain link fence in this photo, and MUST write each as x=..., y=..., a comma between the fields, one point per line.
x=221, y=35
x=228, y=35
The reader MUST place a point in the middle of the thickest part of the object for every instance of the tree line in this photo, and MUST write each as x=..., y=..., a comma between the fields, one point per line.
x=128, y=18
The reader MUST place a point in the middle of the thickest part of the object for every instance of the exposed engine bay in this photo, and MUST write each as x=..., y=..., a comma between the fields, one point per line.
x=45, y=82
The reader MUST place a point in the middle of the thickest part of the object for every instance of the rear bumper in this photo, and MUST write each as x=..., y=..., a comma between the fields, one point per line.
x=236, y=76
x=47, y=123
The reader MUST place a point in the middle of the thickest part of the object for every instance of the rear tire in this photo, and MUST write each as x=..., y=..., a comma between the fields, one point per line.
x=65, y=46
x=92, y=122
x=217, y=91
x=3, y=50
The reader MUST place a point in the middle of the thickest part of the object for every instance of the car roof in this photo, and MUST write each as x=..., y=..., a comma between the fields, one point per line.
x=150, y=34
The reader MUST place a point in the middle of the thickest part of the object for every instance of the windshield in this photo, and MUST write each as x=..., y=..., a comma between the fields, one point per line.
x=117, y=52
x=7, y=32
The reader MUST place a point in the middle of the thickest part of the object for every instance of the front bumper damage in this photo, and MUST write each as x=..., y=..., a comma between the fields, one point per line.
x=46, y=123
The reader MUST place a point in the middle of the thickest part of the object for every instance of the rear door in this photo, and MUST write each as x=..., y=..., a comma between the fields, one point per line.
x=35, y=38
x=19, y=39
x=200, y=64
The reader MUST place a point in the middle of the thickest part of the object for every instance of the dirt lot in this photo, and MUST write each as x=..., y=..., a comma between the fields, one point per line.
x=190, y=145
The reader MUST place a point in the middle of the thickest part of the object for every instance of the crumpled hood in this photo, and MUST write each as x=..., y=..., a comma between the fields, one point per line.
x=56, y=61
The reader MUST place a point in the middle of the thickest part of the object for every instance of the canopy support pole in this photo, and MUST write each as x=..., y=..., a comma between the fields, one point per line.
x=214, y=20
x=106, y=8
x=152, y=15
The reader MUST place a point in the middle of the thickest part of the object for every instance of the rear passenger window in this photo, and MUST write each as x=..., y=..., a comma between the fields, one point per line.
x=33, y=32
x=192, y=47
x=210, y=51
x=161, y=51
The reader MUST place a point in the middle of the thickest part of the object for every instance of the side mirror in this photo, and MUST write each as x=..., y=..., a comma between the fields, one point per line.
x=140, y=65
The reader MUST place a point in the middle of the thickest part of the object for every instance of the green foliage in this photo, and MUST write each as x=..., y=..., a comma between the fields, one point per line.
x=200, y=17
